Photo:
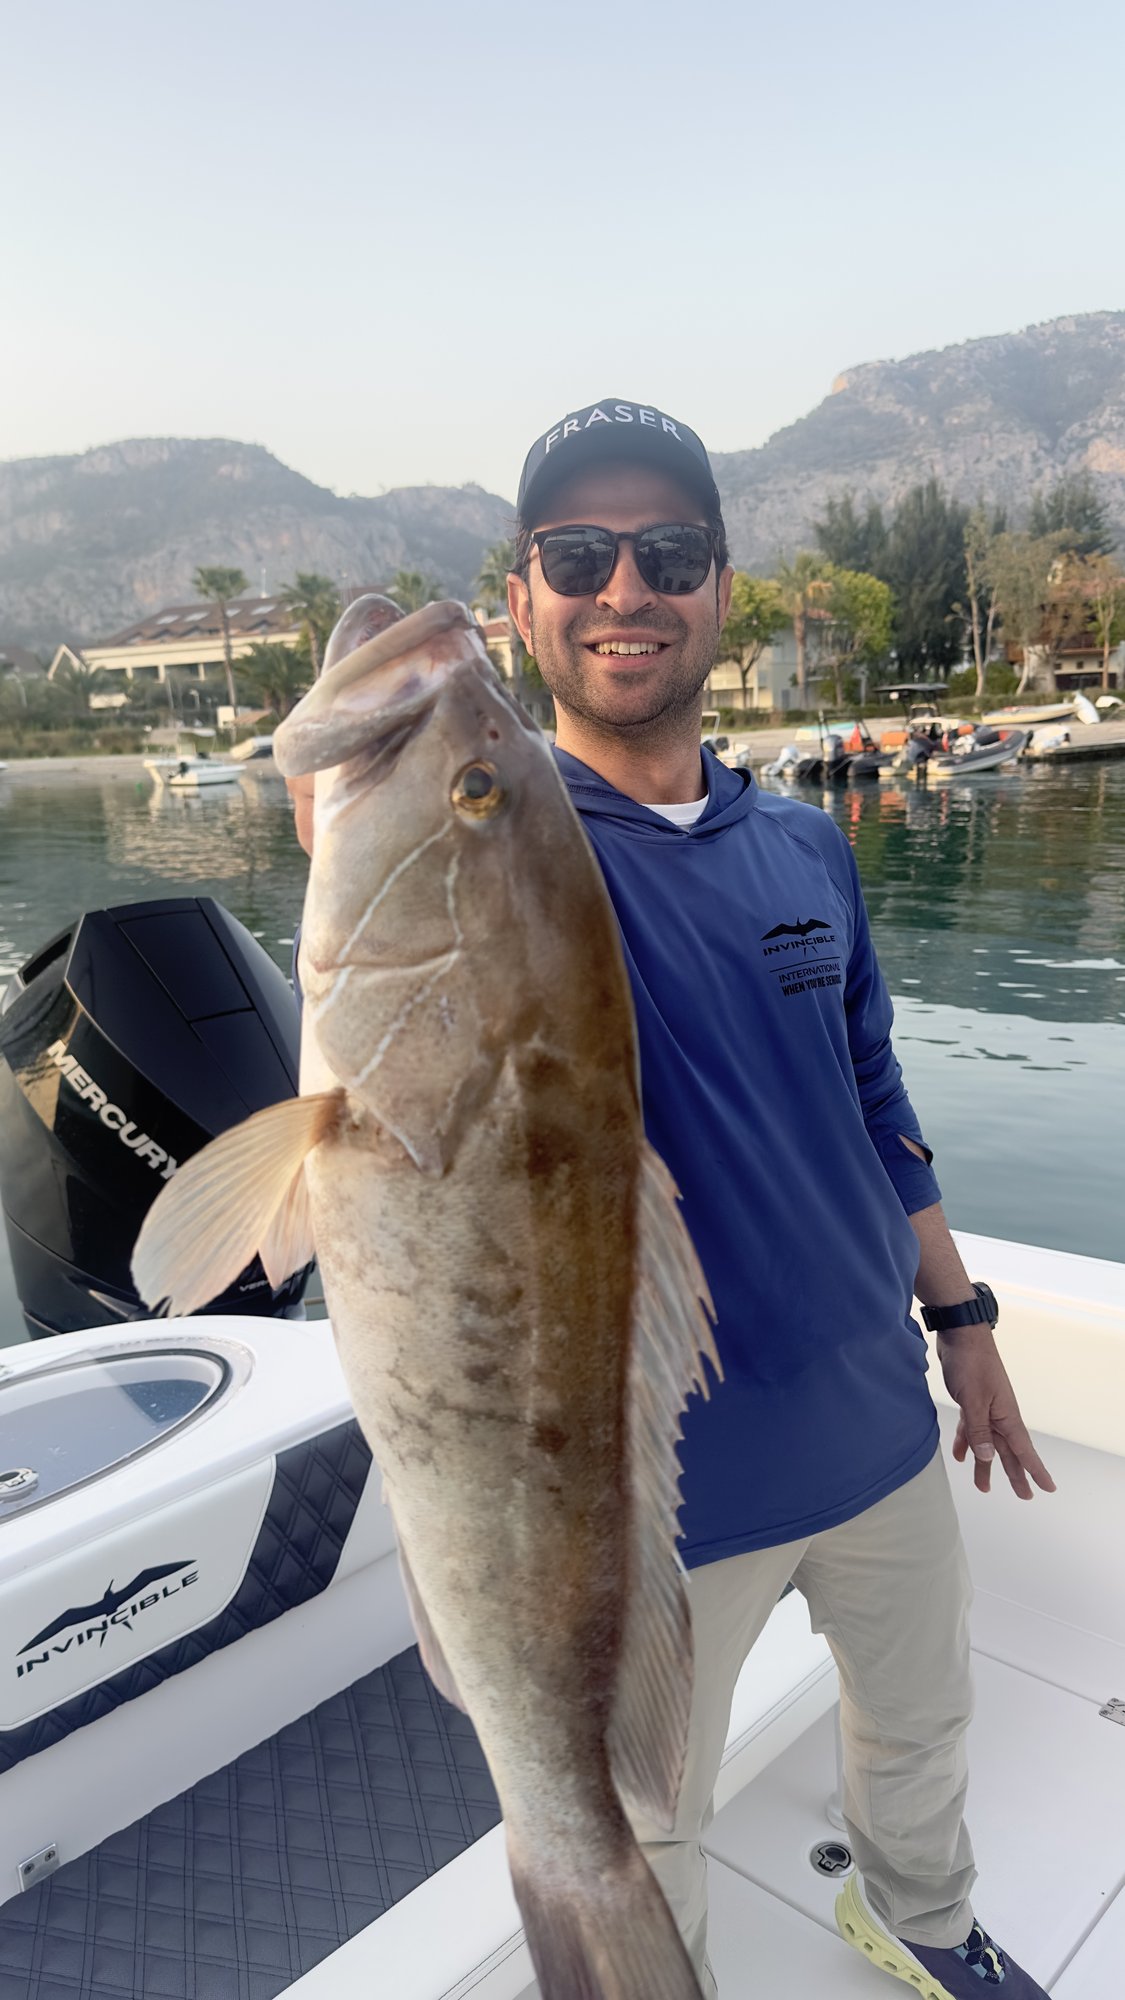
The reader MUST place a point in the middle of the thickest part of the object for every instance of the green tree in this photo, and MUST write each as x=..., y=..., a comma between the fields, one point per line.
x=222, y=586
x=412, y=590
x=276, y=676
x=78, y=682
x=492, y=597
x=860, y=613
x=756, y=616
x=1020, y=566
x=492, y=580
x=315, y=603
x=982, y=528
x=1105, y=592
x=799, y=583
x=1073, y=511
x=925, y=567
x=850, y=539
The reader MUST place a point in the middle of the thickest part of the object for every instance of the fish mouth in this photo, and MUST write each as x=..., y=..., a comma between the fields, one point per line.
x=367, y=705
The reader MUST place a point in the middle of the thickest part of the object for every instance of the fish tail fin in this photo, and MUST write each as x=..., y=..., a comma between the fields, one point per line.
x=604, y=1934
x=243, y=1194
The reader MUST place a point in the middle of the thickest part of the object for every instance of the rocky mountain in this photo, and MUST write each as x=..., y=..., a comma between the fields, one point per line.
x=89, y=544
x=992, y=419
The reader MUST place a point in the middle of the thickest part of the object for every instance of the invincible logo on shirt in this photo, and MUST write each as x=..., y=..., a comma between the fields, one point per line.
x=803, y=955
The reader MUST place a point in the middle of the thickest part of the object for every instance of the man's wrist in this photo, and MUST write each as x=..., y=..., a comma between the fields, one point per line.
x=980, y=1309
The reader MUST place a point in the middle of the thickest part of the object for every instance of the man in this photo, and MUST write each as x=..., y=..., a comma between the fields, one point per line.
x=772, y=1092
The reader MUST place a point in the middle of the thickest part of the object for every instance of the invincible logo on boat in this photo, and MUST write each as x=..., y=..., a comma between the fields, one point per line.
x=113, y=1608
x=111, y=1115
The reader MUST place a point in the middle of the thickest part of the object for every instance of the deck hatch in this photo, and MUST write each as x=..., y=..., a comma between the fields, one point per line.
x=61, y=1427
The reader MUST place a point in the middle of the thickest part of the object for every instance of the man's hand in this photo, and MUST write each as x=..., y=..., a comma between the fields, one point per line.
x=990, y=1423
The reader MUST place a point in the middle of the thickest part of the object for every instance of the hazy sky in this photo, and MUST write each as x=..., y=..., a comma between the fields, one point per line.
x=395, y=244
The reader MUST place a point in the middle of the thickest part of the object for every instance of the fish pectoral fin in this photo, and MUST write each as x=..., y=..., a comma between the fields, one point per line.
x=288, y=1245
x=242, y=1194
x=433, y=1659
x=671, y=1338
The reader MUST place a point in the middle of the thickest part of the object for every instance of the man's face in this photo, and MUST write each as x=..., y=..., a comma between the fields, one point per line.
x=643, y=694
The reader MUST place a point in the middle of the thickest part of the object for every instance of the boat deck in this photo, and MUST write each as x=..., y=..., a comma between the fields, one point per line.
x=1048, y=1776
x=243, y=1883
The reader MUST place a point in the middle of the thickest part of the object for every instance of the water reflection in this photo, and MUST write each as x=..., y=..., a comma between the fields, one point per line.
x=1010, y=888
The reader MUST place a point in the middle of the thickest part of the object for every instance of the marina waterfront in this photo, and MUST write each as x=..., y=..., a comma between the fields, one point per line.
x=998, y=907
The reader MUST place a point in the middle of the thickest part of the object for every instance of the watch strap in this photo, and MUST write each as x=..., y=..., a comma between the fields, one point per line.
x=980, y=1310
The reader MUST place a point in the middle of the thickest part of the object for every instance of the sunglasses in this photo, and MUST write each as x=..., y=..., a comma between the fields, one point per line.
x=672, y=560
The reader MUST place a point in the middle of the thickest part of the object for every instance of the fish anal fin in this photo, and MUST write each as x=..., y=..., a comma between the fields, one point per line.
x=429, y=1646
x=242, y=1194
x=672, y=1337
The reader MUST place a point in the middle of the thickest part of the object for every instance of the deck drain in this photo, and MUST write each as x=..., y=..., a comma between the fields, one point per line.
x=17, y=1480
x=831, y=1857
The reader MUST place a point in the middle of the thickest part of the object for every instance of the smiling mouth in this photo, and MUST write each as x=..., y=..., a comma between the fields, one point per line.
x=626, y=649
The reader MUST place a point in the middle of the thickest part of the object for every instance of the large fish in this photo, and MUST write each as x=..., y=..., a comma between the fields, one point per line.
x=517, y=1305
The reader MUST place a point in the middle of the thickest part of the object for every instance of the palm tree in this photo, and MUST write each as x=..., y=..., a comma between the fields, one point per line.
x=798, y=584
x=412, y=590
x=315, y=601
x=492, y=582
x=80, y=682
x=276, y=676
x=221, y=587
x=492, y=596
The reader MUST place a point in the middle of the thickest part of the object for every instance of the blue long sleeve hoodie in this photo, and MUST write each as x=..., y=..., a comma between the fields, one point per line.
x=772, y=1092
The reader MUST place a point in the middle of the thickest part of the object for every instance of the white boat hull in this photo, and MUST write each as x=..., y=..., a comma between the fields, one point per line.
x=188, y=774
x=1049, y=1632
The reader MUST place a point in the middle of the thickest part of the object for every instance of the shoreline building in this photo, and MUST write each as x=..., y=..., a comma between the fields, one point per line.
x=185, y=637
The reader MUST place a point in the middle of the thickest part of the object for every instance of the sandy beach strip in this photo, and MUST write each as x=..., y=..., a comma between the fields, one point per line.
x=46, y=770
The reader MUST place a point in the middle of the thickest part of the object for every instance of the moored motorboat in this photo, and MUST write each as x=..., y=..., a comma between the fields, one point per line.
x=253, y=750
x=192, y=773
x=1030, y=716
x=985, y=750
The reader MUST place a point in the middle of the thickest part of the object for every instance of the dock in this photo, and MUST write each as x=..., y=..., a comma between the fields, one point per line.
x=1089, y=744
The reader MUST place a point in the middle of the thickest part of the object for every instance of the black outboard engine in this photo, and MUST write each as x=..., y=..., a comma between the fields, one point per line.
x=128, y=1042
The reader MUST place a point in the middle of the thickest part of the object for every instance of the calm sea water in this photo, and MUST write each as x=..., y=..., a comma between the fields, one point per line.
x=998, y=906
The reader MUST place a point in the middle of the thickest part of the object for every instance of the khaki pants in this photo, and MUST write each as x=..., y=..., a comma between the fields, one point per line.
x=890, y=1591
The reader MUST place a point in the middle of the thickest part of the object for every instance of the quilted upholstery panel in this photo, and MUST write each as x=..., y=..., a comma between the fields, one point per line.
x=316, y=1490
x=234, y=1889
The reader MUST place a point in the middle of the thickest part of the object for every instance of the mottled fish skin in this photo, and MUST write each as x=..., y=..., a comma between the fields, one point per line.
x=476, y=1221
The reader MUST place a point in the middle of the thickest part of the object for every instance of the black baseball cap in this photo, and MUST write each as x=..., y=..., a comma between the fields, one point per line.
x=613, y=430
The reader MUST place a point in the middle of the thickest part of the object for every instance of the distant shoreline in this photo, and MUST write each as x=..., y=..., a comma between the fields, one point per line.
x=128, y=765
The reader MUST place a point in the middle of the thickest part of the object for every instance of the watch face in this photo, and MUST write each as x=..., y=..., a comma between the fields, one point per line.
x=987, y=1297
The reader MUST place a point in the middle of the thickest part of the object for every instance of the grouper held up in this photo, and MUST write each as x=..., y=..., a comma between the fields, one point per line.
x=519, y=1311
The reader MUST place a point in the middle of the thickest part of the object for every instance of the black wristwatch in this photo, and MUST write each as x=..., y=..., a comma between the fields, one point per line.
x=980, y=1310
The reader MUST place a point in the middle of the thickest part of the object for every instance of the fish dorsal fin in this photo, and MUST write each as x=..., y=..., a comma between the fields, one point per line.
x=243, y=1194
x=671, y=1338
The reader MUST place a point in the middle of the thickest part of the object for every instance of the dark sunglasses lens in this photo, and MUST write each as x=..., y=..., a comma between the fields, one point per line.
x=674, y=560
x=577, y=561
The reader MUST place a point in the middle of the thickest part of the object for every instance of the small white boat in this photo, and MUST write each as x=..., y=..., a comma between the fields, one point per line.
x=1030, y=716
x=189, y=773
x=255, y=749
x=211, y=1736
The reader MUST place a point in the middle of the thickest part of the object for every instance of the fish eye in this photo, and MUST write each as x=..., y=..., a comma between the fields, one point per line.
x=477, y=791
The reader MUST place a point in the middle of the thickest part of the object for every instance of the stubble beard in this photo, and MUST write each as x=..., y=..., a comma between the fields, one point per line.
x=672, y=706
